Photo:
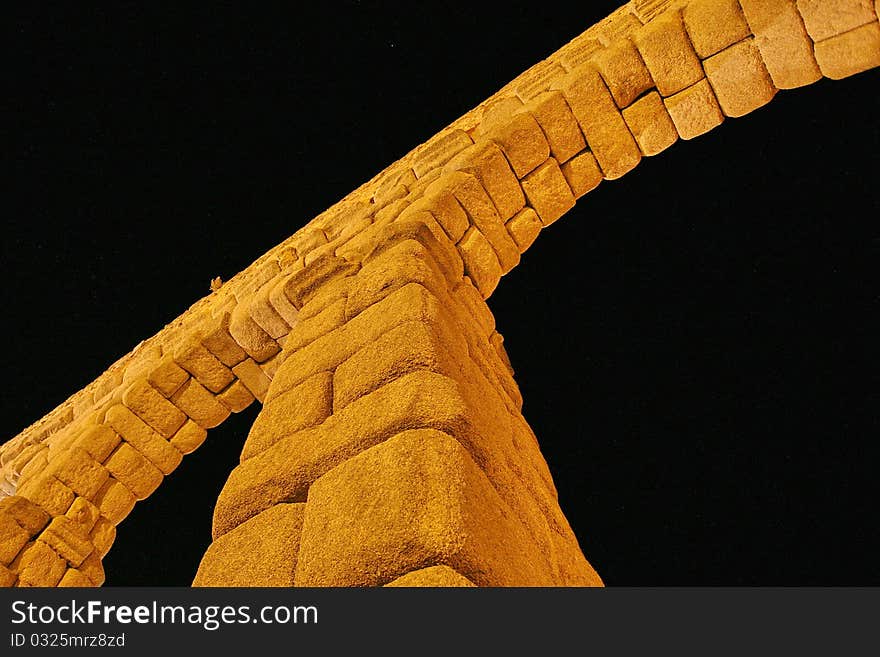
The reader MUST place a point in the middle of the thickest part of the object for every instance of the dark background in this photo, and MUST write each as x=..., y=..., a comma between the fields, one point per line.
x=695, y=343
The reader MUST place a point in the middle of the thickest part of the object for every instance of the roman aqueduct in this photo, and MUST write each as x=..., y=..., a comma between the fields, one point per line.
x=390, y=449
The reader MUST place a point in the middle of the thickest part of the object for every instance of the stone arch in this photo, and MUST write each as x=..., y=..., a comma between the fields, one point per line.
x=391, y=448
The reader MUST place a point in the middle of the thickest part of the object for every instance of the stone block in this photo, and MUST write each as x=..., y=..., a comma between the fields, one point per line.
x=668, y=53
x=7, y=577
x=558, y=123
x=38, y=565
x=828, y=18
x=739, y=79
x=284, y=472
x=77, y=470
x=155, y=410
x=102, y=536
x=582, y=173
x=236, y=398
x=607, y=135
x=189, y=437
x=522, y=140
x=306, y=405
x=139, y=435
x=115, y=501
x=219, y=341
x=250, y=336
x=694, y=111
x=524, y=228
x=74, y=578
x=432, y=576
x=714, y=25
x=263, y=312
x=167, y=376
x=304, y=284
x=310, y=329
x=200, y=405
x=548, y=192
x=207, y=369
x=439, y=201
x=30, y=516
x=260, y=552
x=650, y=124
x=850, y=53
x=781, y=38
x=134, y=471
x=439, y=150
x=254, y=379
x=13, y=537
x=47, y=492
x=420, y=489
x=69, y=540
x=487, y=163
x=83, y=513
x=624, y=72
x=480, y=261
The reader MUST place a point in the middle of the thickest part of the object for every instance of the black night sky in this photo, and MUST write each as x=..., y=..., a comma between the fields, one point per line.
x=696, y=343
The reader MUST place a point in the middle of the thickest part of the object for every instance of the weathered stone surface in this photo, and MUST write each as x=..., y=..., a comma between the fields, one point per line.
x=600, y=120
x=302, y=285
x=582, y=173
x=524, y=227
x=13, y=538
x=30, y=516
x=236, y=398
x=264, y=313
x=713, y=25
x=312, y=328
x=432, y=576
x=284, y=472
x=134, y=471
x=480, y=261
x=650, y=124
x=439, y=200
x=260, y=552
x=219, y=341
x=250, y=336
x=668, y=53
x=414, y=501
x=38, y=565
x=98, y=440
x=47, y=492
x=115, y=501
x=189, y=437
x=850, y=53
x=781, y=38
x=624, y=72
x=154, y=409
x=739, y=79
x=102, y=536
x=69, y=540
x=200, y=405
x=137, y=434
x=79, y=472
x=167, y=376
x=304, y=406
x=548, y=192
x=558, y=123
x=74, y=578
x=207, y=369
x=522, y=140
x=7, y=577
x=83, y=513
x=828, y=18
x=254, y=379
x=695, y=110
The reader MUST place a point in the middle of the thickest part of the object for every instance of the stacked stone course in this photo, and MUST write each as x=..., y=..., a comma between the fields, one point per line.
x=391, y=448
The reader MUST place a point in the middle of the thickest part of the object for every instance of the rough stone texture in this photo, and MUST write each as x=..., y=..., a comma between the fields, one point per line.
x=115, y=501
x=134, y=471
x=668, y=54
x=200, y=405
x=558, y=123
x=167, y=377
x=624, y=72
x=521, y=139
x=548, y=192
x=850, y=53
x=582, y=173
x=141, y=437
x=151, y=407
x=480, y=261
x=597, y=114
x=189, y=437
x=694, y=111
x=414, y=501
x=739, y=79
x=432, y=576
x=203, y=365
x=69, y=540
x=236, y=397
x=781, y=38
x=260, y=552
x=650, y=124
x=524, y=228
x=828, y=18
x=487, y=162
x=713, y=25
